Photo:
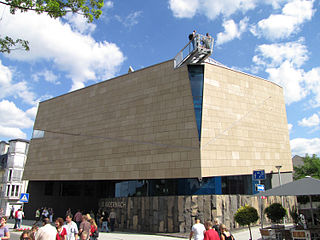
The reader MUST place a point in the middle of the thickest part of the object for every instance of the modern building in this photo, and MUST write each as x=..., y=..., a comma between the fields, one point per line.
x=13, y=158
x=199, y=128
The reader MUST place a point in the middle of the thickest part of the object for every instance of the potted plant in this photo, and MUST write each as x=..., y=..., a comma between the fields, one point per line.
x=275, y=212
x=246, y=215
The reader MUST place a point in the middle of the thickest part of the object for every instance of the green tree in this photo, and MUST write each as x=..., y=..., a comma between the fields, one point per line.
x=275, y=212
x=311, y=167
x=90, y=9
x=246, y=216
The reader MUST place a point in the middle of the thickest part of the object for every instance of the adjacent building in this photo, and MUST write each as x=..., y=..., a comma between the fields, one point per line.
x=13, y=156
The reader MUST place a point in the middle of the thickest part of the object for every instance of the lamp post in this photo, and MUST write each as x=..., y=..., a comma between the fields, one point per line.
x=280, y=183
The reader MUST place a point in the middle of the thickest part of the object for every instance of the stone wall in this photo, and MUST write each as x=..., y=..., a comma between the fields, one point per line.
x=176, y=213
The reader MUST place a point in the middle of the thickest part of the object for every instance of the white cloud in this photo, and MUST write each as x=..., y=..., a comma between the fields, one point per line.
x=108, y=4
x=232, y=30
x=11, y=133
x=13, y=120
x=312, y=121
x=210, y=8
x=130, y=20
x=279, y=26
x=283, y=62
x=9, y=88
x=79, y=55
x=275, y=54
x=12, y=116
x=303, y=146
x=79, y=23
x=291, y=79
x=184, y=8
x=48, y=76
x=290, y=126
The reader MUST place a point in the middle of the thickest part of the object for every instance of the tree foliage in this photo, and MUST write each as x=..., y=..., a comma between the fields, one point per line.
x=311, y=167
x=90, y=9
x=275, y=212
x=245, y=216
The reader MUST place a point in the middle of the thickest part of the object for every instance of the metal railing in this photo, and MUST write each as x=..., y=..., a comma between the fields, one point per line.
x=198, y=46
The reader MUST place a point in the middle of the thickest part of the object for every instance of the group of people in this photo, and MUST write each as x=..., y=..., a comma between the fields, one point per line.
x=44, y=212
x=205, y=41
x=209, y=231
x=63, y=230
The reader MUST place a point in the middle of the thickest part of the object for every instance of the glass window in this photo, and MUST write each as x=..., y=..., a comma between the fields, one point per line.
x=12, y=190
x=17, y=191
x=10, y=175
x=196, y=82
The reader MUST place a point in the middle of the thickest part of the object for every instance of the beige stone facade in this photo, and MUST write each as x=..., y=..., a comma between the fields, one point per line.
x=142, y=126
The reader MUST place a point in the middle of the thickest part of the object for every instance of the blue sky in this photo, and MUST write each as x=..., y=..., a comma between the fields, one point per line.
x=274, y=39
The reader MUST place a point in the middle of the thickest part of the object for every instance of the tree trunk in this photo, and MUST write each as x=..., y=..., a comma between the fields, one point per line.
x=250, y=232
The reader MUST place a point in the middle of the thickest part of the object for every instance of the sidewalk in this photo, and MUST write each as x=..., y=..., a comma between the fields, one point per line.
x=242, y=234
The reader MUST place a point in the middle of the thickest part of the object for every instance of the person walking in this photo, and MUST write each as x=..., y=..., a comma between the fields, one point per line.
x=61, y=231
x=78, y=218
x=225, y=234
x=112, y=219
x=94, y=232
x=71, y=228
x=104, y=221
x=85, y=227
x=37, y=216
x=4, y=230
x=210, y=234
x=197, y=230
x=216, y=226
x=47, y=231
x=20, y=215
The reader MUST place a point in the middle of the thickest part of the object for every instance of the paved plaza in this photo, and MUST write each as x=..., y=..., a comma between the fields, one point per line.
x=239, y=235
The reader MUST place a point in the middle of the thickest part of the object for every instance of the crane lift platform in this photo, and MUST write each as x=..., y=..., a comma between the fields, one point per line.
x=196, y=51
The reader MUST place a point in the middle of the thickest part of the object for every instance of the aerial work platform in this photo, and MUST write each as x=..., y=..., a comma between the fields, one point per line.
x=196, y=51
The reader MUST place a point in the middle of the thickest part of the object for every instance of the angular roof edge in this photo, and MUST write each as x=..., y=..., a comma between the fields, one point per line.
x=218, y=64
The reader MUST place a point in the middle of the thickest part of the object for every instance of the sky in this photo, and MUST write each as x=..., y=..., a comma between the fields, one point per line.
x=274, y=39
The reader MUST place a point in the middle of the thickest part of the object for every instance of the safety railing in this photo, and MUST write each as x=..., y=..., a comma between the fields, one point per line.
x=196, y=50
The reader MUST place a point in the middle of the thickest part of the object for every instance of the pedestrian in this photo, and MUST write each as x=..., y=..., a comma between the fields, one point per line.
x=37, y=216
x=26, y=235
x=47, y=231
x=85, y=227
x=61, y=231
x=216, y=226
x=71, y=228
x=68, y=212
x=4, y=230
x=11, y=213
x=50, y=214
x=112, y=219
x=34, y=230
x=78, y=218
x=104, y=221
x=94, y=232
x=225, y=234
x=20, y=215
x=197, y=230
x=210, y=233
x=15, y=219
x=45, y=213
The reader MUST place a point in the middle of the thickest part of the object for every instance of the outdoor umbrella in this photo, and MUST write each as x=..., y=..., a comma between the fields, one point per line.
x=307, y=186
